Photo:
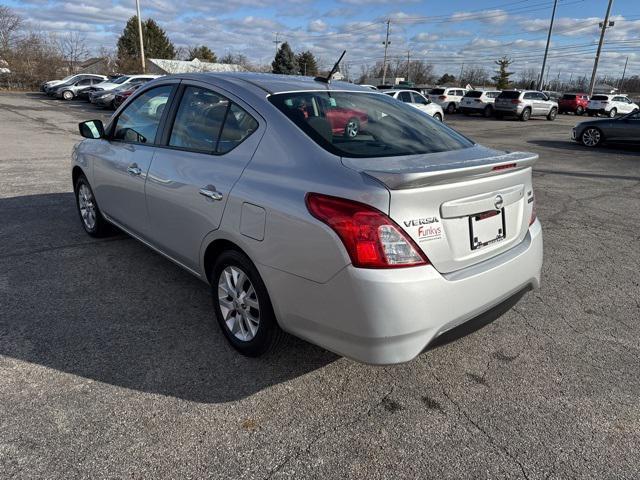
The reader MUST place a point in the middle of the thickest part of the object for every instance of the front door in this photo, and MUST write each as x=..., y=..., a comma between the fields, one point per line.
x=120, y=170
x=208, y=146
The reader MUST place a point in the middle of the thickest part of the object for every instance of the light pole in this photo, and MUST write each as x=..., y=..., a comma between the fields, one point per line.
x=140, y=34
x=592, y=84
x=546, y=50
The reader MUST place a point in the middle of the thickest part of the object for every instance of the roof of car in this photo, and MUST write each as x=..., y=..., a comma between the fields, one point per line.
x=274, y=83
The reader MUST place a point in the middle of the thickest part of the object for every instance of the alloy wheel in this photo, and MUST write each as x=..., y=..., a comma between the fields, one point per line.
x=238, y=303
x=591, y=137
x=87, y=206
x=352, y=128
x=67, y=95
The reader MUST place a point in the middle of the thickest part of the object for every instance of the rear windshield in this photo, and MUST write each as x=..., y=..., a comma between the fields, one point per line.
x=362, y=124
x=436, y=91
x=568, y=96
x=510, y=94
x=474, y=94
x=599, y=97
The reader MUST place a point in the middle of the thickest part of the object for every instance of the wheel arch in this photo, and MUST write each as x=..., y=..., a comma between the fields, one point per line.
x=75, y=174
x=214, y=249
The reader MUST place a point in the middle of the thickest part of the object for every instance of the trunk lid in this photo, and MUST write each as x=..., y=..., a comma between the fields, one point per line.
x=460, y=207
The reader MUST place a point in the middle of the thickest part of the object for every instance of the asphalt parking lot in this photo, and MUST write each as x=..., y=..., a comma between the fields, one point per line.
x=111, y=365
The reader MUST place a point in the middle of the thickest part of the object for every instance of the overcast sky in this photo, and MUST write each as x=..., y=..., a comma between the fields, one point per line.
x=445, y=33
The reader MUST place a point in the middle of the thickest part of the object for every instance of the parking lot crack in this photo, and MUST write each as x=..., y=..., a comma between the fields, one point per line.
x=479, y=427
x=307, y=448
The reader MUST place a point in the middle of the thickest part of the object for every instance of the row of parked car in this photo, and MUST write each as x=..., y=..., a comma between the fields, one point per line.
x=98, y=89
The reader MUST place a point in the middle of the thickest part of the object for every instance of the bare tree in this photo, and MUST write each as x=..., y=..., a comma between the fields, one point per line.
x=73, y=48
x=10, y=25
x=474, y=76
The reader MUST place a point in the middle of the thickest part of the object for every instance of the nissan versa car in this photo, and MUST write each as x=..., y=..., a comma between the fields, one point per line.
x=370, y=245
x=623, y=130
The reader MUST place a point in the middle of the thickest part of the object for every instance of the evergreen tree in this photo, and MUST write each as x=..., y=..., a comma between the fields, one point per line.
x=502, y=77
x=156, y=44
x=446, y=78
x=307, y=64
x=203, y=53
x=285, y=61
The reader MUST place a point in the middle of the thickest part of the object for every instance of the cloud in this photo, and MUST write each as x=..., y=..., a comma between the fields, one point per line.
x=424, y=37
x=317, y=26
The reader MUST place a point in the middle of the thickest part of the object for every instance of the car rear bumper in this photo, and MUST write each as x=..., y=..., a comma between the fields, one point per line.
x=597, y=111
x=508, y=110
x=390, y=316
x=467, y=109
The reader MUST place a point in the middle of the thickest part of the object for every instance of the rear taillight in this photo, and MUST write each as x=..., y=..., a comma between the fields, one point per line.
x=534, y=214
x=370, y=237
x=442, y=97
x=516, y=101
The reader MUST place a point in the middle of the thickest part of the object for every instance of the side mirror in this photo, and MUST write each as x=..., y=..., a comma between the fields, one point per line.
x=92, y=129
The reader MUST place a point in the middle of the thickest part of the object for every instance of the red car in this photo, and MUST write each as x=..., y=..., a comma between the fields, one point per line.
x=346, y=121
x=573, y=102
x=124, y=94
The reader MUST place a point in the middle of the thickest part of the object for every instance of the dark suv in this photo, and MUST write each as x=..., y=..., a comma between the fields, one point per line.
x=573, y=102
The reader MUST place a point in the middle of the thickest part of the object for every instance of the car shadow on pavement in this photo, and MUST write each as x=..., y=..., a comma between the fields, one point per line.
x=114, y=311
x=622, y=149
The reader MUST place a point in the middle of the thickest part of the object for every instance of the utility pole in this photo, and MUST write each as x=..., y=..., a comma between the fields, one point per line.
x=546, y=50
x=461, y=72
x=592, y=84
x=624, y=72
x=141, y=41
x=277, y=42
x=408, y=63
x=384, y=62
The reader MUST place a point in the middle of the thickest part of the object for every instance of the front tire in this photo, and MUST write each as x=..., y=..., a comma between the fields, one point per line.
x=67, y=95
x=90, y=216
x=242, y=305
x=552, y=114
x=437, y=116
x=591, y=137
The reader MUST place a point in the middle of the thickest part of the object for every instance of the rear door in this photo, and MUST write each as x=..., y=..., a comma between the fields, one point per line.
x=121, y=168
x=208, y=141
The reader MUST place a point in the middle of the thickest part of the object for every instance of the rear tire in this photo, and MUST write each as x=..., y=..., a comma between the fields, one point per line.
x=90, y=215
x=451, y=108
x=579, y=111
x=488, y=111
x=552, y=114
x=242, y=305
x=352, y=128
x=612, y=113
x=526, y=114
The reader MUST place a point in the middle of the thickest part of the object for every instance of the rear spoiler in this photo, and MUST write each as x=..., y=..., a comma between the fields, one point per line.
x=451, y=171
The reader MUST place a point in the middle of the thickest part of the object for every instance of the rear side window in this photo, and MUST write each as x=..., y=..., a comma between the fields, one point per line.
x=208, y=122
x=510, y=95
x=138, y=123
x=473, y=94
x=383, y=126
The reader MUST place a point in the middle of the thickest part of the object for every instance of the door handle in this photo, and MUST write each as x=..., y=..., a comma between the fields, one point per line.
x=210, y=192
x=133, y=169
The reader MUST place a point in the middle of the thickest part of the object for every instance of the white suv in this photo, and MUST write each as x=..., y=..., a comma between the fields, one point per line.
x=448, y=98
x=419, y=101
x=479, y=101
x=610, y=105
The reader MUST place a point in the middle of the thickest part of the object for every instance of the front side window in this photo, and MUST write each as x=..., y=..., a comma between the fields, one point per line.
x=417, y=98
x=139, y=122
x=404, y=97
x=361, y=124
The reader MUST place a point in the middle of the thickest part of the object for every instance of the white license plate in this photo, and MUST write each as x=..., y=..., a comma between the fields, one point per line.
x=486, y=228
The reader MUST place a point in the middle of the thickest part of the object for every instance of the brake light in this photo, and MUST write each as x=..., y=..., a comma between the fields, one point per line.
x=516, y=101
x=370, y=237
x=504, y=167
x=442, y=97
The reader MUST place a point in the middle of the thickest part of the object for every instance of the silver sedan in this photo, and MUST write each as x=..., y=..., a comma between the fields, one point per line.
x=325, y=210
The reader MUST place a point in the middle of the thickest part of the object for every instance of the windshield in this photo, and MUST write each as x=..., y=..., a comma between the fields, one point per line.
x=473, y=94
x=436, y=91
x=66, y=79
x=121, y=79
x=361, y=124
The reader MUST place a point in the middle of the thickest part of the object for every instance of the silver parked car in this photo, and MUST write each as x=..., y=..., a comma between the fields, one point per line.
x=525, y=104
x=370, y=244
x=70, y=90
